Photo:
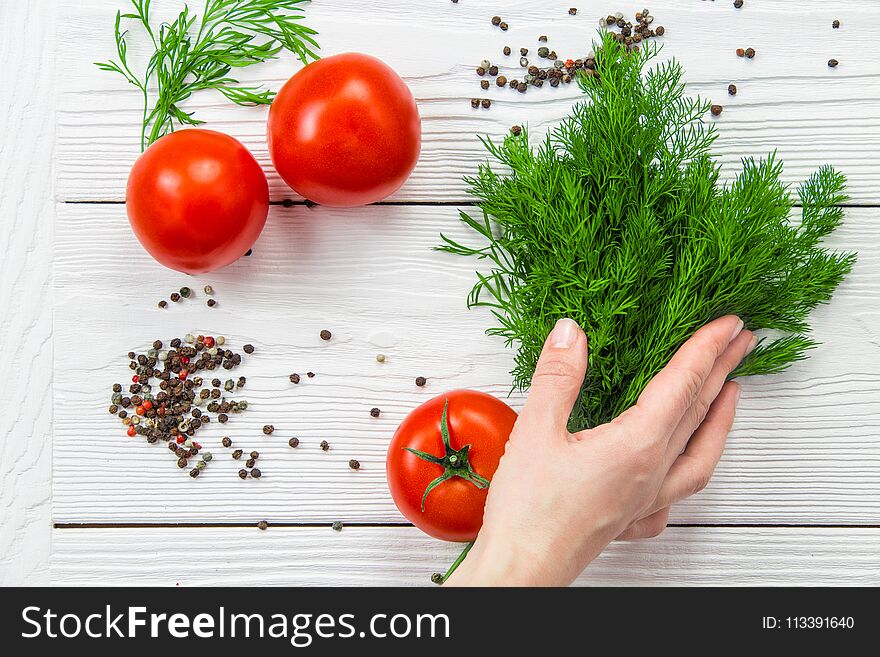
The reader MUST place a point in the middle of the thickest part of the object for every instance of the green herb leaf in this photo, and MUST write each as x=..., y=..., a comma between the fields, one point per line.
x=231, y=34
x=618, y=221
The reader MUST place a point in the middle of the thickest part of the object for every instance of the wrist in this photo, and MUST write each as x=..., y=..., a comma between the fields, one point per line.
x=490, y=565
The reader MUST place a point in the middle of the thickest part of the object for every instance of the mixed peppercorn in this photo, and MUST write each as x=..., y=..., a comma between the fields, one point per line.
x=173, y=414
x=554, y=70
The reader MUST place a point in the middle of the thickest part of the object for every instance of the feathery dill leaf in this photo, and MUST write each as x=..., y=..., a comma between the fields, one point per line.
x=618, y=221
x=191, y=54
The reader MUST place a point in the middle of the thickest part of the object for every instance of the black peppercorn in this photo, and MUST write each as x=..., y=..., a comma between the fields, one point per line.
x=255, y=454
x=256, y=473
x=833, y=63
x=242, y=473
x=542, y=38
x=731, y=89
x=500, y=81
x=181, y=462
x=326, y=335
x=336, y=526
x=237, y=454
x=293, y=442
x=268, y=429
x=175, y=297
x=475, y=102
x=521, y=87
x=737, y=3
x=503, y=26
x=226, y=441
x=311, y=375
x=515, y=130
x=573, y=11
x=325, y=445
x=294, y=378
x=263, y=525
x=835, y=23
x=486, y=103
x=250, y=463
x=421, y=381
x=484, y=84
x=223, y=418
x=211, y=303
x=375, y=412
x=496, y=20
x=248, y=349
x=194, y=473
x=493, y=70
x=354, y=464
x=716, y=110
x=660, y=31
x=506, y=50
x=750, y=53
x=163, y=303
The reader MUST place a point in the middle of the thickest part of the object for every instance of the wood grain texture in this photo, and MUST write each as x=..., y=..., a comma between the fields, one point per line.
x=805, y=447
x=27, y=42
x=403, y=556
x=788, y=97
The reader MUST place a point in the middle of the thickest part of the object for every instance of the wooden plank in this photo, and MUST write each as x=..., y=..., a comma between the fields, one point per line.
x=27, y=41
x=805, y=448
x=788, y=97
x=403, y=556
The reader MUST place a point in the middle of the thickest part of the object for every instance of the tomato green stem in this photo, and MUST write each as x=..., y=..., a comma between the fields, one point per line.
x=454, y=462
x=437, y=578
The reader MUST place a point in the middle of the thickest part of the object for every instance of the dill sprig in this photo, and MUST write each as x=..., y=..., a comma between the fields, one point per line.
x=191, y=54
x=618, y=221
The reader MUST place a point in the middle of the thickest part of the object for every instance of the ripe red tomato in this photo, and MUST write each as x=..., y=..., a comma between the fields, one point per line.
x=197, y=200
x=344, y=131
x=478, y=428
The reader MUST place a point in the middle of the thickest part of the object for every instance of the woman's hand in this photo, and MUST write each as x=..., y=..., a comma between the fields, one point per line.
x=558, y=498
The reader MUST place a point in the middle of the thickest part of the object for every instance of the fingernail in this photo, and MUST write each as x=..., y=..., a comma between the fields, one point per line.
x=564, y=333
x=736, y=330
x=752, y=345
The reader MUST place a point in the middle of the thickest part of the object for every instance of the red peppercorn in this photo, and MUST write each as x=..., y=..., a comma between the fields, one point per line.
x=197, y=446
x=131, y=431
x=569, y=63
x=140, y=410
x=135, y=378
x=148, y=405
x=209, y=342
x=183, y=374
x=180, y=440
x=184, y=359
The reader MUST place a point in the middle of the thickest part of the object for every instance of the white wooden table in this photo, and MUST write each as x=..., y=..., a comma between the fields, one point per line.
x=795, y=500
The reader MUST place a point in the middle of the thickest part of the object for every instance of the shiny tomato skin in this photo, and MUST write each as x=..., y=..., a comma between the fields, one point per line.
x=197, y=200
x=454, y=509
x=344, y=131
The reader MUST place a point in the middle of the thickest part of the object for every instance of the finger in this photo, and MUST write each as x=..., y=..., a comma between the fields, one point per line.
x=558, y=378
x=692, y=470
x=741, y=346
x=672, y=392
x=647, y=527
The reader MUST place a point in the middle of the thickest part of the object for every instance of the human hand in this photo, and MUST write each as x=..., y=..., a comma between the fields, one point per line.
x=557, y=499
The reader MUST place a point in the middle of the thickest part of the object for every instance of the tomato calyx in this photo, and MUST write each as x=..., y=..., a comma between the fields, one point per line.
x=454, y=463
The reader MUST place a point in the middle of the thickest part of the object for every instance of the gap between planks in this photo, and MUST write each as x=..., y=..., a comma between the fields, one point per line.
x=226, y=525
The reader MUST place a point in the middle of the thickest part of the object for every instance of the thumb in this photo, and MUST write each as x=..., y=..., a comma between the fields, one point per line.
x=558, y=378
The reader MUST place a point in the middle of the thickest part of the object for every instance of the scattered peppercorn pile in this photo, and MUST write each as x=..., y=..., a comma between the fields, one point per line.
x=173, y=414
x=558, y=71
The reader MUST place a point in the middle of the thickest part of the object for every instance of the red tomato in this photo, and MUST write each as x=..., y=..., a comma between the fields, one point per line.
x=197, y=200
x=453, y=509
x=344, y=131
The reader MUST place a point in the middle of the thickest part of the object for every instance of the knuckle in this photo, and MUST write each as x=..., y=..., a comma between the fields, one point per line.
x=700, y=479
x=699, y=411
x=655, y=527
x=690, y=384
x=556, y=371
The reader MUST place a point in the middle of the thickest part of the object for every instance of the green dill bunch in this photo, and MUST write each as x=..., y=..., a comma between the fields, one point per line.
x=618, y=220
